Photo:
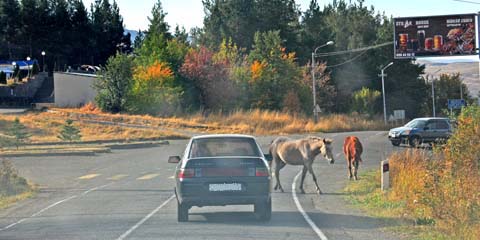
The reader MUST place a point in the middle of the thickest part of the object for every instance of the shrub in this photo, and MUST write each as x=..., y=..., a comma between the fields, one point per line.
x=10, y=182
x=364, y=101
x=19, y=132
x=443, y=188
x=114, y=83
x=69, y=132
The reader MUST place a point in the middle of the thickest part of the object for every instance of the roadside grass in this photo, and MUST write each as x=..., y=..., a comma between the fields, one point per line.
x=7, y=201
x=45, y=127
x=13, y=187
x=255, y=121
x=437, y=192
x=365, y=194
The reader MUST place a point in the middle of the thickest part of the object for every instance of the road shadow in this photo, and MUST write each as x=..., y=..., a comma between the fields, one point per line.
x=294, y=219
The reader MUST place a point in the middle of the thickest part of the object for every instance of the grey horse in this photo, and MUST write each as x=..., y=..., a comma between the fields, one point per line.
x=299, y=152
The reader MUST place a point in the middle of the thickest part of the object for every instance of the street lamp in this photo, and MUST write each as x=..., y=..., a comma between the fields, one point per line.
x=43, y=61
x=314, y=53
x=383, y=75
x=28, y=66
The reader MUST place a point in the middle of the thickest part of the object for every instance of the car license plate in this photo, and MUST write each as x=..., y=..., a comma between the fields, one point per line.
x=223, y=187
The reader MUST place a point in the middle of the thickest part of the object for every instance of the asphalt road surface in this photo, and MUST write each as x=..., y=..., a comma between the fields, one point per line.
x=128, y=194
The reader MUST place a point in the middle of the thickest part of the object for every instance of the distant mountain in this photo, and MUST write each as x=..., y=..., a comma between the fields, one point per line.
x=133, y=34
x=469, y=72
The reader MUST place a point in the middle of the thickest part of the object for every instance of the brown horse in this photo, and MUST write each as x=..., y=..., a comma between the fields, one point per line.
x=299, y=152
x=352, y=147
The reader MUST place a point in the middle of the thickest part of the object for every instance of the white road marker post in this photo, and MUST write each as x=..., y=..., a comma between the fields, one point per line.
x=385, y=170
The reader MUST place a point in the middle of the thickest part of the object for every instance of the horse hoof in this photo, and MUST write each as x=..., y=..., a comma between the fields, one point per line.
x=319, y=192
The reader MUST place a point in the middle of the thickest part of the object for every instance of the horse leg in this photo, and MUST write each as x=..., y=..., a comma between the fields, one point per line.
x=310, y=169
x=304, y=173
x=279, y=164
x=350, y=175
x=355, y=169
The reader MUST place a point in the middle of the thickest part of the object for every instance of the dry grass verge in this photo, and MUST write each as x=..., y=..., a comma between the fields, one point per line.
x=45, y=127
x=439, y=192
x=13, y=188
x=258, y=122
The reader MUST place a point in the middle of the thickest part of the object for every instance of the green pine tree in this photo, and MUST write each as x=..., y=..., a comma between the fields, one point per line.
x=19, y=132
x=69, y=132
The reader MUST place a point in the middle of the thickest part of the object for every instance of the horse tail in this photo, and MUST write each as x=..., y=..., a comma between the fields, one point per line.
x=272, y=150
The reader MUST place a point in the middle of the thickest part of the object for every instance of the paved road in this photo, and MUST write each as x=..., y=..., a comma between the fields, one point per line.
x=127, y=194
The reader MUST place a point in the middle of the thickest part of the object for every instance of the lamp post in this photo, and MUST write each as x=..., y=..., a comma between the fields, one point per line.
x=383, y=75
x=314, y=90
x=28, y=66
x=43, y=61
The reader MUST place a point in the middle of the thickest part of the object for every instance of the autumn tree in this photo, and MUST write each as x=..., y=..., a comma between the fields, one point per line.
x=211, y=77
x=153, y=91
x=273, y=73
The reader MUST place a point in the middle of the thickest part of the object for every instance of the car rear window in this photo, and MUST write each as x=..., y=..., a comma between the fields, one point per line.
x=218, y=147
x=441, y=124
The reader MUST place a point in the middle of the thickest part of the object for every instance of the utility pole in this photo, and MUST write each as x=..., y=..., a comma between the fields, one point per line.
x=383, y=75
x=433, y=98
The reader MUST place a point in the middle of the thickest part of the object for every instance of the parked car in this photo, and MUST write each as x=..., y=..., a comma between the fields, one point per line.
x=219, y=170
x=421, y=130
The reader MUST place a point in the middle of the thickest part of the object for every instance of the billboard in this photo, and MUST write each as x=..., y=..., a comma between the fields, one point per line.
x=453, y=35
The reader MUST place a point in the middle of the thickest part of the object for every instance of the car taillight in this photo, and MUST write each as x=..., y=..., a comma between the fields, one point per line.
x=186, y=173
x=261, y=172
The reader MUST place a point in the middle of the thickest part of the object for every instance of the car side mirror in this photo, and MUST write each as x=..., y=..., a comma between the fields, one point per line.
x=268, y=157
x=174, y=159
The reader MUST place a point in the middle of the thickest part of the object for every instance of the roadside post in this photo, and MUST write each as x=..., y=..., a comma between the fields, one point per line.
x=385, y=179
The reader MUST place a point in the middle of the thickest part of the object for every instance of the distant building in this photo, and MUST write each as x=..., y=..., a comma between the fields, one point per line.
x=73, y=89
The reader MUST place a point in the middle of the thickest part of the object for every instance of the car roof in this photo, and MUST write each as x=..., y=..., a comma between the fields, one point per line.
x=431, y=118
x=223, y=136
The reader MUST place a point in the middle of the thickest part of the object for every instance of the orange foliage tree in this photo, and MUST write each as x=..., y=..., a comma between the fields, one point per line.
x=153, y=90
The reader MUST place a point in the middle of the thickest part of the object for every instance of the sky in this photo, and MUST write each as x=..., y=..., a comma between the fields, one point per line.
x=189, y=13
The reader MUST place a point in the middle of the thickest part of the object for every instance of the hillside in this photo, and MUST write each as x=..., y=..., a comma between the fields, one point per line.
x=468, y=70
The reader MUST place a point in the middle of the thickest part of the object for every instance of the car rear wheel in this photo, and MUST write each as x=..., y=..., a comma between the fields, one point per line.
x=263, y=210
x=396, y=143
x=415, y=141
x=182, y=212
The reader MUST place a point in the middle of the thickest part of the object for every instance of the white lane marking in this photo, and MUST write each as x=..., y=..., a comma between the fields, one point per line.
x=317, y=230
x=338, y=154
x=53, y=205
x=39, y=212
x=145, y=219
x=96, y=188
x=380, y=133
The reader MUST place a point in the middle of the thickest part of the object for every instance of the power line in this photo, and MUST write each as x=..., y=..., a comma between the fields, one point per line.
x=465, y=1
x=353, y=50
x=348, y=61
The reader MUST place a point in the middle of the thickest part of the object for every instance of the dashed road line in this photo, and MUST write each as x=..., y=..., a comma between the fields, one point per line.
x=172, y=177
x=89, y=176
x=129, y=231
x=307, y=218
x=148, y=176
x=96, y=188
x=117, y=177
